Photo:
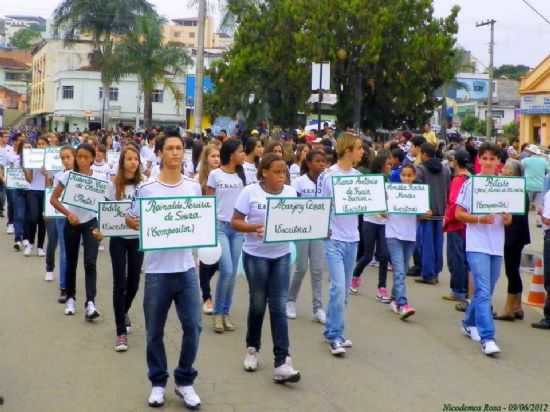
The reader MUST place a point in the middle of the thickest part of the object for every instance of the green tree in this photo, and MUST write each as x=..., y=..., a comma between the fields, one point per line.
x=102, y=21
x=511, y=130
x=511, y=71
x=27, y=37
x=144, y=53
x=469, y=124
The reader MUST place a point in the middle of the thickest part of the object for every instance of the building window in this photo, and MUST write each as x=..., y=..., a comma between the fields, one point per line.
x=113, y=94
x=192, y=35
x=177, y=34
x=68, y=92
x=12, y=76
x=158, y=96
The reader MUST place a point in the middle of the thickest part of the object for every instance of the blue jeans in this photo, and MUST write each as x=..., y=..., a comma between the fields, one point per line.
x=161, y=289
x=430, y=245
x=9, y=198
x=485, y=270
x=268, y=283
x=341, y=260
x=19, y=205
x=231, y=243
x=400, y=254
x=458, y=265
x=60, y=227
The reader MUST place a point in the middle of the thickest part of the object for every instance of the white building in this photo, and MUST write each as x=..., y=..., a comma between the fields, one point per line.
x=78, y=103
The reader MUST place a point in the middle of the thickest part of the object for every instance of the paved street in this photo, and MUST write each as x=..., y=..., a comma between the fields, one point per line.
x=53, y=363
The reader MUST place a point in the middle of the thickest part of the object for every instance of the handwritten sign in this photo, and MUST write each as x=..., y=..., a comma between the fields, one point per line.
x=404, y=199
x=496, y=194
x=112, y=157
x=84, y=192
x=177, y=222
x=50, y=212
x=33, y=158
x=15, y=178
x=112, y=219
x=361, y=194
x=52, y=159
x=297, y=218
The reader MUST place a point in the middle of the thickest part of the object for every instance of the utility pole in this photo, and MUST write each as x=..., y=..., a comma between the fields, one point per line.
x=489, y=115
x=199, y=75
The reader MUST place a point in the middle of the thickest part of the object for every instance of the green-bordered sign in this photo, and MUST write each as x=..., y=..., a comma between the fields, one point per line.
x=359, y=194
x=297, y=218
x=84, y=192
x=52, y=159
x=405, y=199
x=177, y=222
x=15, y=178
x=111, y=218
x=50, y=212
x=33, y=158
x=498, y=194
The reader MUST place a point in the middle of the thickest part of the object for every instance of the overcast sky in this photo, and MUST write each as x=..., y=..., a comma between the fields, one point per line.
x=521, y=36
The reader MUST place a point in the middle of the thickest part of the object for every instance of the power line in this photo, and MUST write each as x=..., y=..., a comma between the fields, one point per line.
x=536, y=11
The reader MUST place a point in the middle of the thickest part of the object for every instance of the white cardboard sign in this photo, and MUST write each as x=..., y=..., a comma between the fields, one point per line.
x=498, y=194
x=360, y=194
x=297, y=218
x=52, y=159
x=405, y=199
x=33, y=158
x=15, y=178
x=112, y=219
x=84, y=192
x=177, y=222
x=50, y=212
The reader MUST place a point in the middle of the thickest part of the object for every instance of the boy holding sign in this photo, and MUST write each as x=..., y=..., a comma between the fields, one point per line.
x=484, y=251
x=170, y=277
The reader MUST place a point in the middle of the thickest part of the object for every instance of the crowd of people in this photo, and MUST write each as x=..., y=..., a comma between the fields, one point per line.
x=242, y=170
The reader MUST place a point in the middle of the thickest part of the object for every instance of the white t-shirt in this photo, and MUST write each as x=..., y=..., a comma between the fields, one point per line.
x=189, y=169
x=252, y=203
x=546, y=210
x=102, y=171
x=376, y=219
x=294, y=172
x=344, y=227
x=228, y=187
x=305, y=187
x=129, y=193
x=5, y=153
x=13, y=160
x=402, y=227
x=250, y=172
x=82, y=214
x=480, y=237
x=38, y=181
x=170, y=261
x=147, y=154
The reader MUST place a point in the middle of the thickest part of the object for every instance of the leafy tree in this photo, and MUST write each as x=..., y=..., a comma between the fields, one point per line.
x=27, y=37
x=144, y=53
x=102, y=21
x=511, y=71
x=469, y=123
x=511, y=130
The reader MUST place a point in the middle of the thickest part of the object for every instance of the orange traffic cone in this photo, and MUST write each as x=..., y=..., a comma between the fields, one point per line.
x=537, y=293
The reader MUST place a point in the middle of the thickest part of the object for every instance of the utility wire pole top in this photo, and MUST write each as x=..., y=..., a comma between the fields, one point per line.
x=489, y=114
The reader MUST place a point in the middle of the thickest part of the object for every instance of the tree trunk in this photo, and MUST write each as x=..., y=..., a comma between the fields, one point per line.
x=147, y=110
x=357, y=99
x=105, y=106
x=199, y=80
x=443, y=119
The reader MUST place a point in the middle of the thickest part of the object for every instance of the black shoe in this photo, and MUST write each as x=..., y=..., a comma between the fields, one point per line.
x=506, y=318
x=519, y=315
x=414, y=272
x=62, y=297
x=542, y=324
x=433, y=281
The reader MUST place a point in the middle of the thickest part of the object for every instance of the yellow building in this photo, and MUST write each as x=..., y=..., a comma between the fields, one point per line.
x=49, y=58
x=186, y=32
x=535, y=105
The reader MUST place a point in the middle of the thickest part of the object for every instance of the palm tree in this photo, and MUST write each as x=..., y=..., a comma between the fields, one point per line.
x=103, y=21
x=144, y=53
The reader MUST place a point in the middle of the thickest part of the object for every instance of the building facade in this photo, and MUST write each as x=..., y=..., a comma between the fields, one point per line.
x=14, y=23
x=185, y=31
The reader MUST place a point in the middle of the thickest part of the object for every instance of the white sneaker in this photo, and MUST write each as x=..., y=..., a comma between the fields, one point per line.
x=41, y=252
x=91, y=311
x=48, y=277
x=156, y=398
x=320, y=316
x=394, y=307
x=70, y=307
x=471, y=332
x=25, y=242
x=490, y=348
x=291, y=310
x=346, y=343
x=286, y=373
x=10, y=230
x=251, y=360
x=28, y=249
x=17, y=246
x=190, y=398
